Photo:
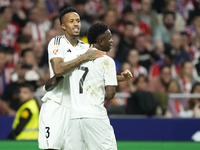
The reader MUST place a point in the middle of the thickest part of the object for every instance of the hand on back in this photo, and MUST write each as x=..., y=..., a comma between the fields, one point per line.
x=91, y=54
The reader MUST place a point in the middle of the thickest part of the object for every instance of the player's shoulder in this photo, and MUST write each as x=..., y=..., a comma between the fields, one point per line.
x=105, y=59
x=57, y=40
x=83, y=45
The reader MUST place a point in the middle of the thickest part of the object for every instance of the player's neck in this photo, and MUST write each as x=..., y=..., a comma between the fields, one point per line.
x=97, y=47
x=73, y=40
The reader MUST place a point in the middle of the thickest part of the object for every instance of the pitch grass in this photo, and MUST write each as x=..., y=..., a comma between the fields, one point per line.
x=122, y=145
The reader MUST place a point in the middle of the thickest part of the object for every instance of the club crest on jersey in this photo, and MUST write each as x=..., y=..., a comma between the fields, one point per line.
x=55, y=51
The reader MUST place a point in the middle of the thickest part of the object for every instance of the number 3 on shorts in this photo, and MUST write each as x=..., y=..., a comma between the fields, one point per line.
x=47, y=133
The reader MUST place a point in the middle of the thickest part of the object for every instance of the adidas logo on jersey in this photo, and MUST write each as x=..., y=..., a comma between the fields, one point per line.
x=69, y=50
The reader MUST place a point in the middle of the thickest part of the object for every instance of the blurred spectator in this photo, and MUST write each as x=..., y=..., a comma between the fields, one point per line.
x=141, y=102
x=56, y=26
x=41, y=57
x=126, y=42
x=8, y=35
x=25, y=125
x=135, y=68
x=158, y=85
x=117, y=105
x=39, y=27
x=19, y=16
x=163, y=32
x=194, y=32
x=196, y=72
x=23, y=42
x=111, y=18
x=158, y=5
x=162, y=80
x=171, y=6
x=10, y=97
x=26, y=30
x=49, y=35
x=146, y=51
x=113, y=5
x=186, y=44
x=54, y=6
x=95, y=8
x=2, y=70
x=146, y=14
x=85, y=19
x=9, y=65
x=34, y=73
x=27, y=5
x=169, y=59
x=139, y=26
x=185, y=78
x=175, y=105
x=112, y=52
x=184, y=7
x=176, y=44
x=122, y=4
x=194, y=103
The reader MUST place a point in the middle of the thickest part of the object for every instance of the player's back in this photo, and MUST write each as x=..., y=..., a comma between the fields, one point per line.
x=87, y=84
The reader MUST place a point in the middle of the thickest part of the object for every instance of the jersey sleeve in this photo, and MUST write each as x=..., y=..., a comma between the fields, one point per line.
x=109, y=71
x=55, y=49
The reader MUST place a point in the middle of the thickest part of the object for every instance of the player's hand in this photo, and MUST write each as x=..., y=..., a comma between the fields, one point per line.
x=93, y=54
x=126, y=75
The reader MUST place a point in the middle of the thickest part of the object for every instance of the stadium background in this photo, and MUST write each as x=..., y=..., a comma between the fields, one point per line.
x=135, y=24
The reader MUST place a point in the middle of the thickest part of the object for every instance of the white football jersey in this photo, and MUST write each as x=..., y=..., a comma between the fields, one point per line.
x=61, y=47
x=87, y=84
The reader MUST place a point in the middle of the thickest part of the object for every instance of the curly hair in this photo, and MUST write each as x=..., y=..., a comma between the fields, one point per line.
x=65, y=11
x=95, y=30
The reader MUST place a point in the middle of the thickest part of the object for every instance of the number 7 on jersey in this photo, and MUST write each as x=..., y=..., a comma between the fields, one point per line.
x=86, y=70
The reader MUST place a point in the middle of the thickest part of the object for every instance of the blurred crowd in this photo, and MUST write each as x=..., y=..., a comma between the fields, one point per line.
x=157, y=40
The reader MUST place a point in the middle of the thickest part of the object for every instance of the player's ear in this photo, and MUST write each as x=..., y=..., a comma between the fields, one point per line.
x=100, y=42
x=63, y=27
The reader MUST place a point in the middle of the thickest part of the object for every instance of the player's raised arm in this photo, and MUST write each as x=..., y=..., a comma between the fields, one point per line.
x=60, y=67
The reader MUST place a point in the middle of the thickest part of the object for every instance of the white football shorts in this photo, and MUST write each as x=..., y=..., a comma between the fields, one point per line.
x=90, y=134
x=53, y=121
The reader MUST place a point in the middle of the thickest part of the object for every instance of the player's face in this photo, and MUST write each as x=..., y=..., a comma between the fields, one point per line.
x=71, y=24
x=107, y=41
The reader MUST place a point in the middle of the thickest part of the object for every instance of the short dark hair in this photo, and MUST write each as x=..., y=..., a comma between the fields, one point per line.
x=28, y=85
x=128, y=23
x=2, y=10
x=184, y=33
x=127, y=10
x=141, y=76
x=185, y=62
x=9, y=50
x=23, y=52
x=164, y=66
x=194, y=86
x=169, y=13
x=95, y=30
x=65, y=11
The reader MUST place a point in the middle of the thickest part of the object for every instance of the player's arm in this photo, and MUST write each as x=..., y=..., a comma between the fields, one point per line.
x=60, y=67
x=110, y=92
x=125, y=75
x=52, y=83
x=110, y=78
x=24, y=119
